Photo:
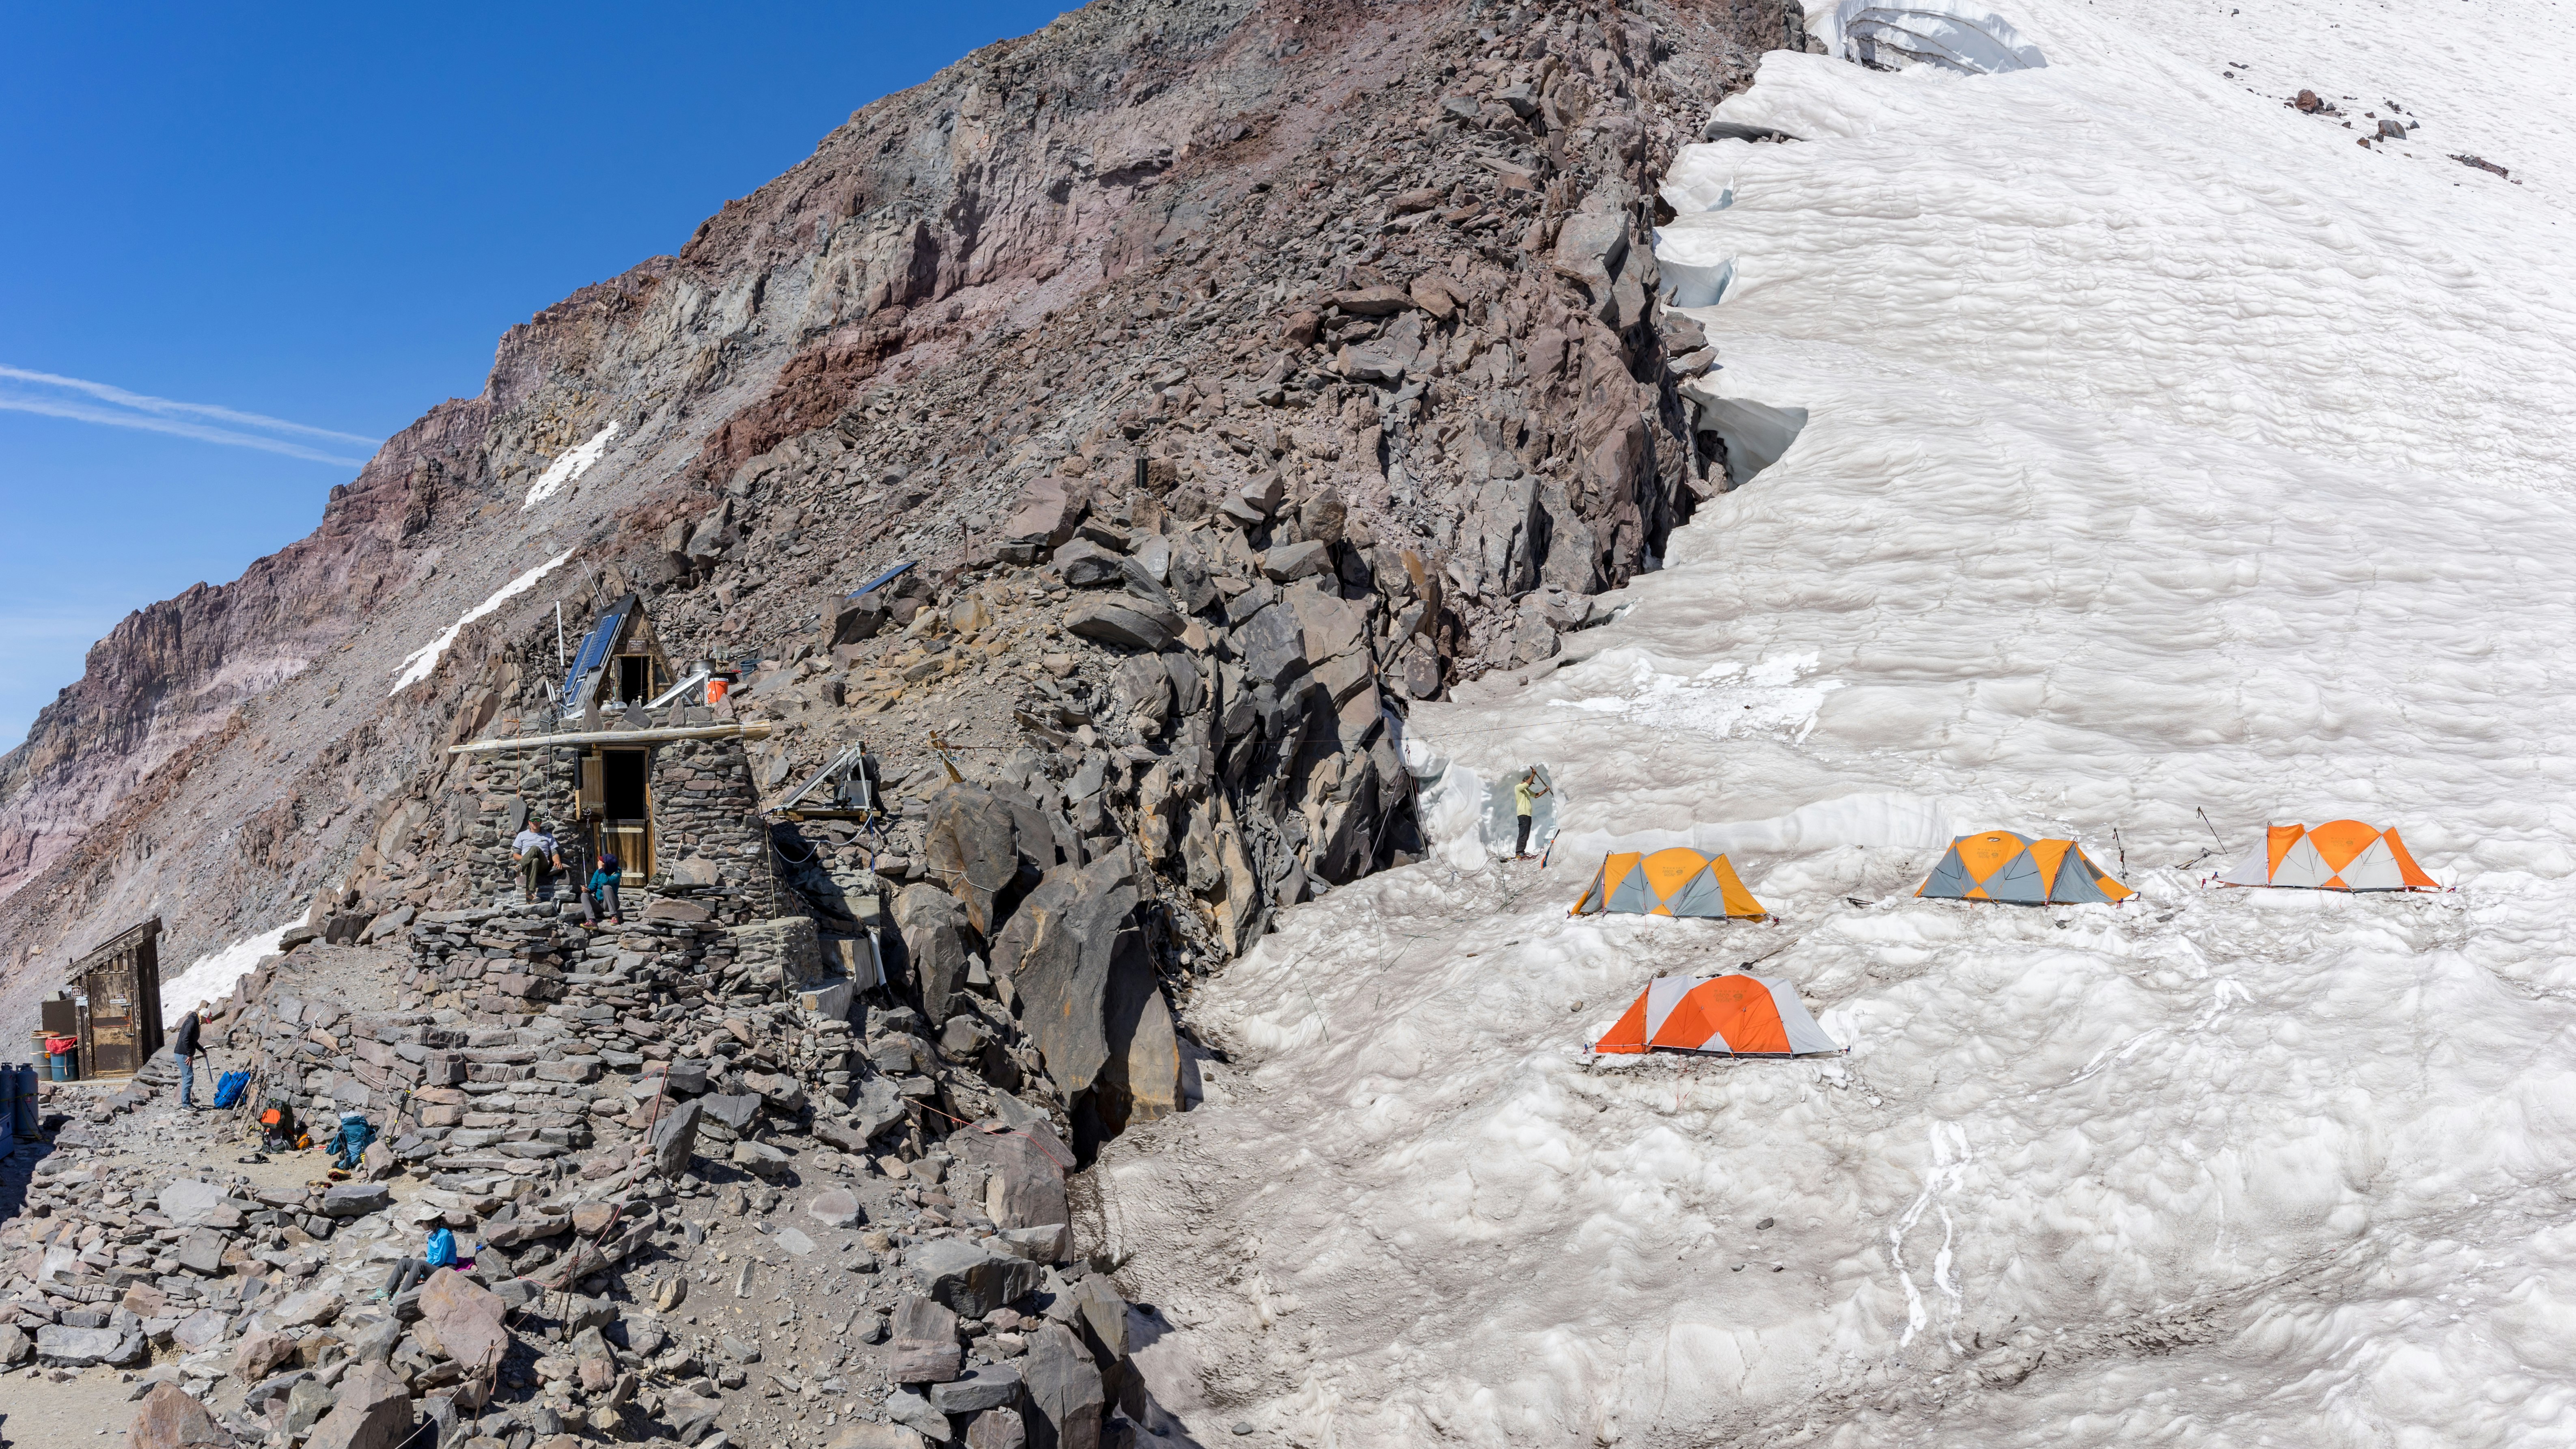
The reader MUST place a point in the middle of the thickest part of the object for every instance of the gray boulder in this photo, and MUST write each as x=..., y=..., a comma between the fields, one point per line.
x=736, y=1110
x=202, y=1329
x=1187, y=579
x=689, y=1415
x=781, y=1091
x=852, y=621
x=356, y=1199
x=1270, y=644
x=836, y=1207
x=1044, y=517
x=971, y=1278
x=1086, y=565
x=60, y=1347
x=973, y=846
x=986, y=1386
x=934, y=924
x=171, y=1419
x=1145, y=685
x=1023, y=1186
x=1291, y=561
x=1088, y=996
x=997, y=1429
x=1590, y=246
x=189, y=1202
x=875, y=1107
x=675, y=1137
x=925, y=1343
x=1129, y=622
x=1065, y=1398
x=372, y=1410
x=202, y=1252
x=761, y=1160
x=914, y=1412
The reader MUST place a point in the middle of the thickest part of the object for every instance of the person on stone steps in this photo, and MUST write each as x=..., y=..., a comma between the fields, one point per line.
x=183, y=1050
x=600, y=894
x=536, y=853
x=1525, y=793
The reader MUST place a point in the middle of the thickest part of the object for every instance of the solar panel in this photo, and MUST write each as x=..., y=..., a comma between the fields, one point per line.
x=594, y=649
x=883, y=579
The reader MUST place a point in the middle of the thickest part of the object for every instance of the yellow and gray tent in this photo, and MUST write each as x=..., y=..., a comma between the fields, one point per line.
x=1673, y=882
x=2001, y=866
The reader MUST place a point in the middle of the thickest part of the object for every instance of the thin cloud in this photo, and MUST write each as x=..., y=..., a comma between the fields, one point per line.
x=149, y=414
x=146, y=422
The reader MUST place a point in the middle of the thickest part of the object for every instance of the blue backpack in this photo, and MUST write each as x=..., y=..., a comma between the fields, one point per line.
x=441, y=1252
x=229, y=1088
x=351, y=1140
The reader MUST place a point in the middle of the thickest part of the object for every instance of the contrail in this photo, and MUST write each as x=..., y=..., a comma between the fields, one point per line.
x=150, y=424
x=165, y=415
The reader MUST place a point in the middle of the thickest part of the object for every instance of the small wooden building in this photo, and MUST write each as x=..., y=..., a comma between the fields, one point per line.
x=116, y=1002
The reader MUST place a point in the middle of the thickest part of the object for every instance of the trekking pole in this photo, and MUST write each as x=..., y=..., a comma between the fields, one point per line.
x=2213, y=830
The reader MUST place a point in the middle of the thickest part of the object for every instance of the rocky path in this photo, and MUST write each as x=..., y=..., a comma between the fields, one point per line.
x=769, y=1257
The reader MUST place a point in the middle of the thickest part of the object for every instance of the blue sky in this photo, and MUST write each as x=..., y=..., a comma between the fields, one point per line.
x=286, y=229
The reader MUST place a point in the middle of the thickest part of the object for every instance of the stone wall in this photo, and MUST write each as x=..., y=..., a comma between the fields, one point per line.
x=709, y=837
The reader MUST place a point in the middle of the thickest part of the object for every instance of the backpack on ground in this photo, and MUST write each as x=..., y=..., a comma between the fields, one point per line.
x=229, y=1088
x=349, y=1143
x=277, y=1124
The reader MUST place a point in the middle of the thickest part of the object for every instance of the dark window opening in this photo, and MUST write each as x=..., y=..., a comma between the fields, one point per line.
x=634, y=678
x=622, y=784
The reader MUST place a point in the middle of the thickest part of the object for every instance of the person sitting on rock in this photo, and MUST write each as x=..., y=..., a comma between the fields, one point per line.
x=536, y=853
x=601, y=896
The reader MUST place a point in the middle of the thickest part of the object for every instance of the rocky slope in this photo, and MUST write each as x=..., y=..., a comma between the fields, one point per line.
x=1380, y=266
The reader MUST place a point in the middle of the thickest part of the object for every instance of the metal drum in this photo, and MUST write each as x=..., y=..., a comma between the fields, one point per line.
x=25, y=1072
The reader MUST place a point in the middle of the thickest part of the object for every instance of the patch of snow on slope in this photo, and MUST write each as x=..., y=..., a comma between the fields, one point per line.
x=2165, y=453
x=565, y=471
x=421, y=661
x=211, y=975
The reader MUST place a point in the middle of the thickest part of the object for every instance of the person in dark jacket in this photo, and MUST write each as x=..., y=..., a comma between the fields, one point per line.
x=183, y=1048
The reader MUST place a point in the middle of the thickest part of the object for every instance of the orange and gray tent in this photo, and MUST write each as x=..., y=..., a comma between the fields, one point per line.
x=1673, y=882
x=1733, y=1015
x=2340, y=855
x=2001, y=866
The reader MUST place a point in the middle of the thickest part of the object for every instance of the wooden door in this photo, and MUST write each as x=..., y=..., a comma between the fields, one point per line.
x=113, y=1038
x=626, y=824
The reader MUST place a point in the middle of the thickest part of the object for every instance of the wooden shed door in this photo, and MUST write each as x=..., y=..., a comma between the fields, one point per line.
x=111, y=1025
x=626, y=825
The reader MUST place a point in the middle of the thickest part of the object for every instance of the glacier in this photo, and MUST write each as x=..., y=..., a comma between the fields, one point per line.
x=2164, y=463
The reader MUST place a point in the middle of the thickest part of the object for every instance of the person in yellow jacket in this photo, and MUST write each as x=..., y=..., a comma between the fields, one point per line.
x=1525, y=793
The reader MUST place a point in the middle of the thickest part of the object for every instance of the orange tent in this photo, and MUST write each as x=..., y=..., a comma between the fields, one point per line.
x=1733, y=1015
x=1673, y=882
x=2001, y=866
x=2340, y=855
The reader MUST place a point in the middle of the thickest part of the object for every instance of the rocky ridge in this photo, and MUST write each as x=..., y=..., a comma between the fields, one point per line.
x=1384, y=274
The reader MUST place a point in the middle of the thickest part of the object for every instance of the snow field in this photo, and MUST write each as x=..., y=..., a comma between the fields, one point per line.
x=2166, y=456
x=417, y=665
x=565, y=471
x=212, y=975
